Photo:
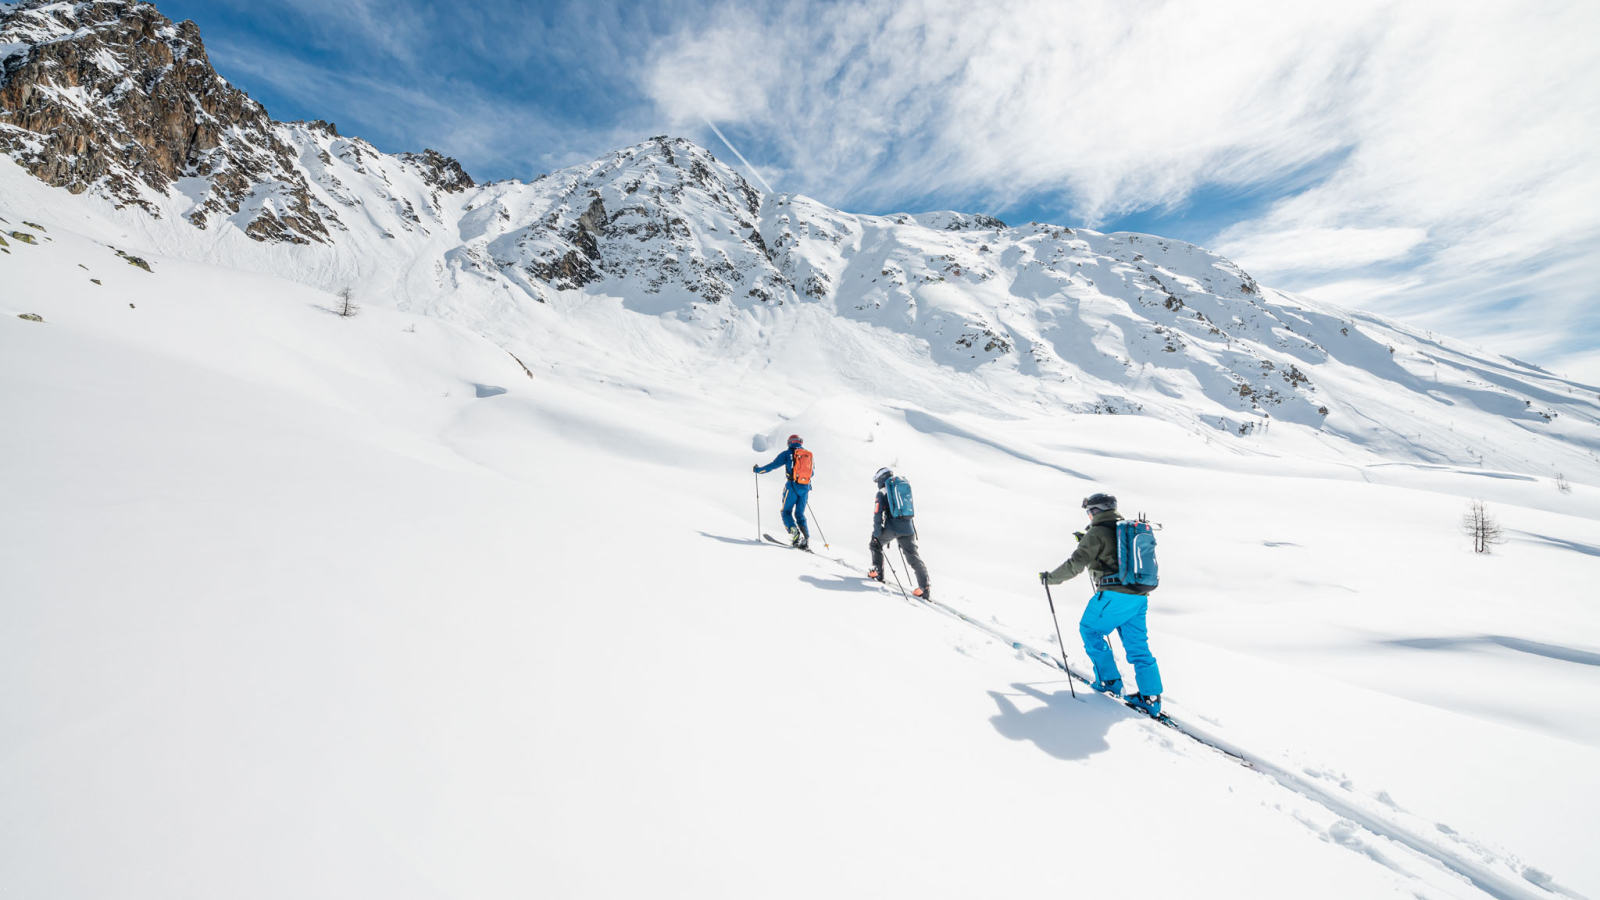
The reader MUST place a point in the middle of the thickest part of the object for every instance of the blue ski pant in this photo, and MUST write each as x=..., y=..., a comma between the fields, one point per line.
x=1110, y=611
x=794, y=506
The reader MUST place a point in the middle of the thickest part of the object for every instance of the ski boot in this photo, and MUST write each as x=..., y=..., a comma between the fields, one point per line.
x=875, y=575
x=922, y=592
x=1114, y=688
x=795, y=536
x=1147, y=703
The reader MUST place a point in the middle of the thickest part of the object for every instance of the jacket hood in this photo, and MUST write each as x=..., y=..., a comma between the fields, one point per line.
x=1105, y=517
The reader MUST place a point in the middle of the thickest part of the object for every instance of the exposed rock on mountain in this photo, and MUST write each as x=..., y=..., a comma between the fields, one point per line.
x=663, y=217
x=438, y=170
x=115, y=98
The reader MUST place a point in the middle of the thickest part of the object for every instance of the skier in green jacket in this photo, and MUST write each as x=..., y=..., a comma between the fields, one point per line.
x=1114, y=607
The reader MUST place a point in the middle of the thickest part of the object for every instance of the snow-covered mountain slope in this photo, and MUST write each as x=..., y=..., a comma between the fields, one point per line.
x=297, y=604
x=1031, y=320
x=463, y=596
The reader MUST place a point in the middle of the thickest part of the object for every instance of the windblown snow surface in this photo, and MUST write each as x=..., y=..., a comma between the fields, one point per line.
x=293, y=605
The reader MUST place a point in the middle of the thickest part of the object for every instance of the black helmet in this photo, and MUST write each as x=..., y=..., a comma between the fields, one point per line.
x=884, y=474
x=1099, y=503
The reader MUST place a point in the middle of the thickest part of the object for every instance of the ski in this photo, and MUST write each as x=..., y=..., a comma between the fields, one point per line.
x=1055, y=663
x=1163, y=718
x=785, y=543
x=1044, y=658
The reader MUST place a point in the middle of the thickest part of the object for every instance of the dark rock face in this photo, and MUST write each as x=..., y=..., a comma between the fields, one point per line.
x=566, y=273
x=114, y=96
x=439, y=171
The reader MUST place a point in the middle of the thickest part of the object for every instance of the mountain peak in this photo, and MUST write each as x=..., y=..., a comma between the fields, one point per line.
x=114, y=97
x=1053, y=317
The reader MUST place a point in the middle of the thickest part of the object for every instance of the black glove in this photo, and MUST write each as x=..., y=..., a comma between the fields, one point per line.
x=1078, y=536
x=1044, y=578
x=756, y=468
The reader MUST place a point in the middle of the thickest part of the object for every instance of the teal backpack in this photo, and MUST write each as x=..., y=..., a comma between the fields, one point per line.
x=1137, y=571
x=899, y=491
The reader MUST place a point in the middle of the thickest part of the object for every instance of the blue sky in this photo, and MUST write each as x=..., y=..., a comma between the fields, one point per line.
x=1429, y=161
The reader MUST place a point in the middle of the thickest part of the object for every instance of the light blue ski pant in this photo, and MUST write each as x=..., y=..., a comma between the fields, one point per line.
x=1110, y=611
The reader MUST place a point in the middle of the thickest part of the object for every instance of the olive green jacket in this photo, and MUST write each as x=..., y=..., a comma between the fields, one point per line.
x=1097, y=552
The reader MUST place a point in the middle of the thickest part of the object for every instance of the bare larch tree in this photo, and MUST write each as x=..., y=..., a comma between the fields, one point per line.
x=1481, y=527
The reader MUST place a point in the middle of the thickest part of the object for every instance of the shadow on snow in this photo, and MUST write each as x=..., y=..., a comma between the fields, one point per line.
x=841, y=583
x=1063, y=727
x=733, y=540
x=1522, y=645
x=1562, y=543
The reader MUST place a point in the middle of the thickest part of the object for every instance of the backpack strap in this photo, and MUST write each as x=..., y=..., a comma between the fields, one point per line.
x=1113, y=577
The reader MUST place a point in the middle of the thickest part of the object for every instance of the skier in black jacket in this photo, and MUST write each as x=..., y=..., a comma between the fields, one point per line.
x=886, y=528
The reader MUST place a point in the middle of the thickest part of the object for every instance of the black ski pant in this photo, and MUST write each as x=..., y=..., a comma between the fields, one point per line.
x=908, y=546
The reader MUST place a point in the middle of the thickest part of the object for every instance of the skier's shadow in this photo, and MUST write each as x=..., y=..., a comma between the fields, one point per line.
x=841, y=583
x=732, y=540
x=1063, y=727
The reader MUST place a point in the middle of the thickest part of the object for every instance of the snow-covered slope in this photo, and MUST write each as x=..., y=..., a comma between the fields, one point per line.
x=297, y=604
x=463, y=596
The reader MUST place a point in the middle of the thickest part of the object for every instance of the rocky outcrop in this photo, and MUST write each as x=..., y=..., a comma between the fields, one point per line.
x=664, y=214
x=439, y=171
x=113, y=96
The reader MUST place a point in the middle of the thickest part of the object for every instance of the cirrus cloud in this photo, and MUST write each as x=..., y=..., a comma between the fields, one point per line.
x=1454, y=141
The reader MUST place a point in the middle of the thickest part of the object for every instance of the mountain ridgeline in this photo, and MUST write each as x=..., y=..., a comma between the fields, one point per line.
x=119, y=110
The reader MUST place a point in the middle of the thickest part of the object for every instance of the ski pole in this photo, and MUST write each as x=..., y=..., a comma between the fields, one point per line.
x=907, y=562
x=820, y=532
x=759, y=532
x=1063, y=644
x=896, y=575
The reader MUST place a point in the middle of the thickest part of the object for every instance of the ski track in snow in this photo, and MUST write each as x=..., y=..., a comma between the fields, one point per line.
x=1466, y=860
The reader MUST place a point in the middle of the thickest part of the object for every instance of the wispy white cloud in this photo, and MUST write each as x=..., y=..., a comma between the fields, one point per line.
x=400, y=116
x=1434, y=159
x=1305, y=248
x=403, y=77
x=1456, y=139
x=1113, y=105
x=395, y=28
